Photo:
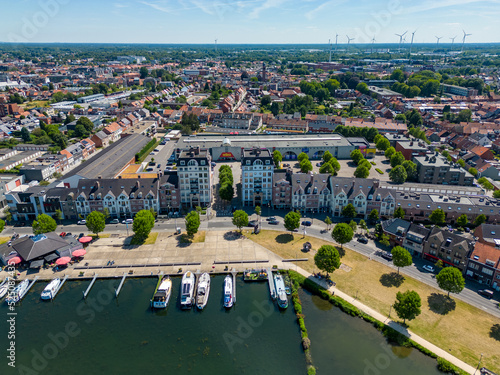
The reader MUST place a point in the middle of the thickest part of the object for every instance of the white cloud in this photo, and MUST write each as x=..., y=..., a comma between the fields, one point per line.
x=433, y=5
x=312, y=13
x=266, y=4
x=157, y=6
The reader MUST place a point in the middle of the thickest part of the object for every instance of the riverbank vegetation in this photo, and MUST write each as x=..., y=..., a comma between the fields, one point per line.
x=471, y=327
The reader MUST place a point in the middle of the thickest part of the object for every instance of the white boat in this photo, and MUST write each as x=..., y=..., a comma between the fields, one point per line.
x=228, y=292
x=279, y=284
x=203, y=291
x=4, y=288
x=162, y=295
x=187, y=290
x=18, y=292
x=51, y=289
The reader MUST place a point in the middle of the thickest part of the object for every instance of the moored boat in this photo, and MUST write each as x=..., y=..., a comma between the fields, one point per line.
x=187, y=290
x=51, y=289
x=18, y=292
x=203, y=291
x=4, y=288
x=279, y=284
x=228, y=291
x=162, y=294
x=288, y=284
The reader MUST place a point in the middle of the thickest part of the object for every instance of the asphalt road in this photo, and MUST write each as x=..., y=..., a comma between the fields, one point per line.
x=468, y=295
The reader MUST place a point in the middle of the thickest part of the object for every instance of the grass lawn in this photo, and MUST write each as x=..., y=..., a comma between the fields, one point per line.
x=101, y=235
x=4, y=240
x=197, y=238
x=453, y=325
x=35, y=103
x=151, y=240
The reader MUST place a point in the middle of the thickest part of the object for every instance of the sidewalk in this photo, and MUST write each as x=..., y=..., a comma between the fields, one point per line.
x=391, y=323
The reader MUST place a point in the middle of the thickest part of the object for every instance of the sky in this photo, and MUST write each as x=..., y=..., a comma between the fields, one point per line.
x=248, y=21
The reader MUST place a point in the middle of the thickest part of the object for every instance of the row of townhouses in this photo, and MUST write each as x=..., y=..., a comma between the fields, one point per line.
x=476, y=256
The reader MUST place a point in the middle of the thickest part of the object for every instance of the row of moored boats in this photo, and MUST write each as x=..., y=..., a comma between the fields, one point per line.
x=18, y=292
x=190, y=297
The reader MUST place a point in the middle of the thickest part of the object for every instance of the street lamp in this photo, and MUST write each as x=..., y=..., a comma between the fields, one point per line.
x=479, y=364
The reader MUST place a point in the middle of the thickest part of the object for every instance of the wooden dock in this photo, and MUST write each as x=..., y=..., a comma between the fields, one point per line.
x=272, y=289
x=117, y=292
x=90, y=286
x=234, y=273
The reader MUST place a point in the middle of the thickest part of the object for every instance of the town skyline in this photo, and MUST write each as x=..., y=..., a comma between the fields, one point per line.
x=249, y=22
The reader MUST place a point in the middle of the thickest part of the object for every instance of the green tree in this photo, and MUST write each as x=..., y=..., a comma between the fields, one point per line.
x=305, y=166
x=365, y=163
x=461, y=163
x=240, y=219
x=192, y=223
x=106, y=214
x=302, y=156
x=397, y=159
x=43, y=224
x=383, y=144
x=353, y=225
x=349, y=211
x=277, y=157
x=2, y=225
x=265, y=100
x=398, y=75
x=399, y=213
x=143, y=72
x=226, y=192
x=451, y=280
x=361, y=172
x=398, y=174
x=462, y=220
x=465, y=115
x=25, y=135
x=96, y=222
x=473, y=171
x=407, y=305
x=389, y=152
x=87, y=124
x=496, y=194
x=328, y=222
x=335, y=164
x=8, y=215
x=292, y=221
x=373, y=216
x=327, y=259
x=356, y=156
x=342, y=233
x=81, y=132
x=362, y=88
x=144, y=222
x=437, y=216
x=480, y=220
x=401, y=257
x=362, y=225
x=258, y=210
x=327, y=156
x=411, y=170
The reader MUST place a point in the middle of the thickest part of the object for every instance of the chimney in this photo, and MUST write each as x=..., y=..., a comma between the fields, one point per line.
x=139, y=177
x=99, y=177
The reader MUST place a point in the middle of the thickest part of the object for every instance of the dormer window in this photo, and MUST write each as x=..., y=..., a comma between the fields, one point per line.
x=91, y=196
x=132, y=195
x=139, y=196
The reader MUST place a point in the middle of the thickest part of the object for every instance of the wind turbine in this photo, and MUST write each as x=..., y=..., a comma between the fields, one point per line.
x=452, y=42
x=463, y=40
x=411, y=44
x=348, y=41
x=373, y=41
x=216, y=47
x=330, y=43
x=438, y=38
x=336, y=40
x=401, y=38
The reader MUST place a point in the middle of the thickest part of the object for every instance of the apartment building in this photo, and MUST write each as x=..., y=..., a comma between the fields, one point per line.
x=437, y=170
x=282, y=189
x=310, y=192
x=169, y=193
x=452, y=249
x=257, y=167
x=484, y=262
x=195, y=177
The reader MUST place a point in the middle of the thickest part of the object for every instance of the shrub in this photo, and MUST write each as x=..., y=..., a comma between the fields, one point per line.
x=373, y=163
x=311, y=370
x=379, y=171
x=445, y=366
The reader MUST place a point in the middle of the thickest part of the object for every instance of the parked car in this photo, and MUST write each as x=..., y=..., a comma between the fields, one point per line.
x=253, y=223
x=306, y=223
x=128, y=221
x=63, y=234
x=82, y=222
x=69, y=234
x=115, y=221
x=363, y=240
x=467, y=229
x=318, y=164
x=156, y=150
x=273, y=222
x=428, y=268
x=486, y=293
x=272, y=218
x=81, y=235
x=386, y=255
x=159, y=165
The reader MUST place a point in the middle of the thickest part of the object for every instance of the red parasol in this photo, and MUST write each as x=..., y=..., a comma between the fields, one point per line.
x=15, y=260
x=85, y=239
x=63, y=261
x=79, y=253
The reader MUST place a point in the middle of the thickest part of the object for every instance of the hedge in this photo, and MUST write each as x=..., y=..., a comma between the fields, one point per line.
x=379, y=171
x=151, y=144
x=389, y=333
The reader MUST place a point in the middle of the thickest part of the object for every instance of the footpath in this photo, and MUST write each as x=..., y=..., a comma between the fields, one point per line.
x=391, y=323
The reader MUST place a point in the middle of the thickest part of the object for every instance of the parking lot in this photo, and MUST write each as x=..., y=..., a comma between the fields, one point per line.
x=160, y=157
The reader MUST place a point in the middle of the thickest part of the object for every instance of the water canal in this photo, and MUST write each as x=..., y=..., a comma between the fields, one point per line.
x=104, y=335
